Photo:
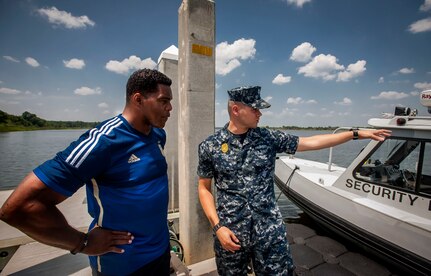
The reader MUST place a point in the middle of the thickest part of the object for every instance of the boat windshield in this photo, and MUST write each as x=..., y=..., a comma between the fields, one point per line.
x=401, y=163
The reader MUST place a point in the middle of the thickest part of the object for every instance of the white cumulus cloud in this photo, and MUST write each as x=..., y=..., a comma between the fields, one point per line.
x=406, y=70
x=303, y=52
x=32, y=62
x=353, y=70
x=74, y=63
x=280, y=79
x=423, y=85
x=10, y=58
x=128, y=64
x=296, y=100
x=268, y=98
x=86, y=91
x=10, y=91
x=426, y=6
x=423, y=25
x=322, y=66
x=228, y=56
x=390, y=95
x=298, y=3
x=345, y=101
x=65, y=19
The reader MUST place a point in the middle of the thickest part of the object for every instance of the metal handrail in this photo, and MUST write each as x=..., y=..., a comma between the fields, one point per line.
x=330, y=149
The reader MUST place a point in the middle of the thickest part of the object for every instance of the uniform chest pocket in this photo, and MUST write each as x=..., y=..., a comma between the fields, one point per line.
x=231, y=180
x=228, y=171
x=260, y=158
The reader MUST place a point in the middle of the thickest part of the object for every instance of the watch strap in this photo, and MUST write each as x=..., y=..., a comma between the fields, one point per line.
x=82, y=244
x=355, y=133
x=217, y=227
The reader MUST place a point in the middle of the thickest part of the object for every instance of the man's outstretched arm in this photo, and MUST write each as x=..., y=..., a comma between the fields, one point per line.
x=322, y=141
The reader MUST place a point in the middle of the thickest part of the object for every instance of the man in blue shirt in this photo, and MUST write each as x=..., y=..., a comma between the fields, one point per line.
x=121, y=162
x=247, y=223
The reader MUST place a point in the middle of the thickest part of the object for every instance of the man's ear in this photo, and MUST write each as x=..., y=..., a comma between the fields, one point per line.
x=235, y=109
x=137, y=98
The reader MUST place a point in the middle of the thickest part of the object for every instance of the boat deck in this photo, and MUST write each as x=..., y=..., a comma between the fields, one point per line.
x=315, y=171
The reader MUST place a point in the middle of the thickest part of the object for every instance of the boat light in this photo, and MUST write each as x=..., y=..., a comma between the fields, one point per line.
x=401, y=121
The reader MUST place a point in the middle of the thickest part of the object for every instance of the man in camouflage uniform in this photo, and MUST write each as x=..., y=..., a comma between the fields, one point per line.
x=247, y=223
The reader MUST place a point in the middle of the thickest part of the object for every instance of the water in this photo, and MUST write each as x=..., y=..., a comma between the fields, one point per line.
x=22, y=151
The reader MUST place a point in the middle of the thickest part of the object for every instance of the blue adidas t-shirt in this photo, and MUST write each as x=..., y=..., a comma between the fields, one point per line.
x=125, y=174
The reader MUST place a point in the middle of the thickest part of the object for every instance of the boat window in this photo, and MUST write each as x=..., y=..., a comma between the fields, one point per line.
x=425, y=180
x=397, y=163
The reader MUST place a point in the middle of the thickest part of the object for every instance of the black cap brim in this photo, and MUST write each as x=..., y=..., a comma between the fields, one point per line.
x=260, y=104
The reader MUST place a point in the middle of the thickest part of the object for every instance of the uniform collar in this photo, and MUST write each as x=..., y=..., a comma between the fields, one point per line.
x=227, y=136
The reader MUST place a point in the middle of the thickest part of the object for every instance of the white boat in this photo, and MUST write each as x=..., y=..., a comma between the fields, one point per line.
x=382, y=200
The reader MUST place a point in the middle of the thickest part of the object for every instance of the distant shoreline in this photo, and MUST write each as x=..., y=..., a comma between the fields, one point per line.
x=14, y=128
x=30, y=122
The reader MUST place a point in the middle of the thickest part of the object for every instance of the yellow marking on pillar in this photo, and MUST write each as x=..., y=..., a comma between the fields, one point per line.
x=202, y=50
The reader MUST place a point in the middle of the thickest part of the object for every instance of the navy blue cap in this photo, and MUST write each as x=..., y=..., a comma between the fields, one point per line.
x=249, y=95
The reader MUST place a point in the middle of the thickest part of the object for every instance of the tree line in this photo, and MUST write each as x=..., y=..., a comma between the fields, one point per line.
x=30, y=121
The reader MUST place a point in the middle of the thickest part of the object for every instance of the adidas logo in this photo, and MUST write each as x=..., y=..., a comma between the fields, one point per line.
x=133, y=158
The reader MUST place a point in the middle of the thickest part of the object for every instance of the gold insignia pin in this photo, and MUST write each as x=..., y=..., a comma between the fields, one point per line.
x=224, y=148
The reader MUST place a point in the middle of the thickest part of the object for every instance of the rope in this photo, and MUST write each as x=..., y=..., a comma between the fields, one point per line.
x=288, y=182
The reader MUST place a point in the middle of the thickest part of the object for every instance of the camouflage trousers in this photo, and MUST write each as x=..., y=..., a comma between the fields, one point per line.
x=269, y=259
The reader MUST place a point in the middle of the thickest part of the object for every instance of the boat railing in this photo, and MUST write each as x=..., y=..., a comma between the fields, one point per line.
x=330, y=149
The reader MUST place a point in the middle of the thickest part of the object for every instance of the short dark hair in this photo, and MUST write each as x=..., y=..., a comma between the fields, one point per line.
x=145, y=81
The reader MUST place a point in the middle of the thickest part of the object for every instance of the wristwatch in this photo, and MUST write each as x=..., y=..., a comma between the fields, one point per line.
x=355, y=133
x=217, y=227
x=82, y=244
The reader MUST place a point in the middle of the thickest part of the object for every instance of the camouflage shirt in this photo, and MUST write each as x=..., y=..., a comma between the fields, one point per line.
x=244, y=177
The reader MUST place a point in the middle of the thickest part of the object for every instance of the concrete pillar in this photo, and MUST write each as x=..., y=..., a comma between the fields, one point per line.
x=196, y=76
x=168, y=64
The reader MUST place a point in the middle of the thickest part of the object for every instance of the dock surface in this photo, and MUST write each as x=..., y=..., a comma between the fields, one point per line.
x=320, y=255
x=312, y=254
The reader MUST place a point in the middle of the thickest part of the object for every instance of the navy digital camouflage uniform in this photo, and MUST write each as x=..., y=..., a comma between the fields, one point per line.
x=244, y=177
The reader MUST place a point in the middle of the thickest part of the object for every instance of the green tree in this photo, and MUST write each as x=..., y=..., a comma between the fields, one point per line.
x=33, y=119
x=3, y=117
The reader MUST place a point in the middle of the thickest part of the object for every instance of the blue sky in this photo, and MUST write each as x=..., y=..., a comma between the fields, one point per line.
x=319, y=62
